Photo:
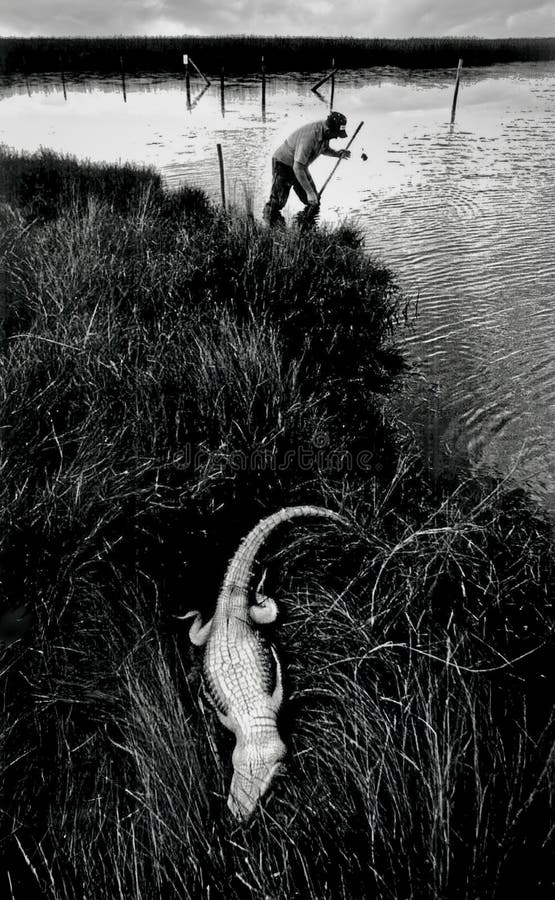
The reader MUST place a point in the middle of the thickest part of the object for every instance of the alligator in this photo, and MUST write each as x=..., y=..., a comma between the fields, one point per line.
x=241, y=670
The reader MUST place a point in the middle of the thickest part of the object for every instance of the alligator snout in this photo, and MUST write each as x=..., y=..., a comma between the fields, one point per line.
x=252, y=775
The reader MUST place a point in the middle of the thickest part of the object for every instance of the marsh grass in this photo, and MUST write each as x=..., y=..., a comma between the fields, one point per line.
x=242, y=53
x=163, y=365
x=42, y=185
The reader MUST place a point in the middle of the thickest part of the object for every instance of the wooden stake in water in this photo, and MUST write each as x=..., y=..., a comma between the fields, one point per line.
x=187, y=79
x=196, y=68
x=222, y=91
x=263, y=91
x=459, y=69
x=222, y=177
x=63, y=78
x=24, y=61
x=123, y=79
x=324, y=79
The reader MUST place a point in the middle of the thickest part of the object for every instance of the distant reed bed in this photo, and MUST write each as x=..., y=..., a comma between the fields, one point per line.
x=239, y=54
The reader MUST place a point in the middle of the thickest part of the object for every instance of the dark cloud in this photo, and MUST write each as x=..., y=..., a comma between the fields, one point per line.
x=381, y=18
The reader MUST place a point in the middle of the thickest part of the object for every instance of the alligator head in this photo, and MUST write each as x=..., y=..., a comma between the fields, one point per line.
x=254, y=765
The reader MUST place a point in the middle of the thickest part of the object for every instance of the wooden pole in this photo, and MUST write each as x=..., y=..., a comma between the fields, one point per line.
x=194, y=65
x=322, y=80
x=222, y=91
x=123, y=79
x=453, y=108
x=222, y=178
x=24, y=61
x=63, y=78
x=332, y=83
x=187, y=79
x=328, y=179
x=263, y=91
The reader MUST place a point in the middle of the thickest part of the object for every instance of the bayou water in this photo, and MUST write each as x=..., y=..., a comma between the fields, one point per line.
x=462, y=214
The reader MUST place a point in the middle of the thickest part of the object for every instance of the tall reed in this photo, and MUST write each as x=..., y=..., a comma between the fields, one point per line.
x=242, y=53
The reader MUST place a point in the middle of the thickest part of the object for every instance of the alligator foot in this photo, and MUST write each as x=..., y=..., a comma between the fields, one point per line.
x=264, y=610
x=198, y=633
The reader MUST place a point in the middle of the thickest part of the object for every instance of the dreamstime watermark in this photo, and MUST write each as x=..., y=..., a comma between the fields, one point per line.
x=317, y=455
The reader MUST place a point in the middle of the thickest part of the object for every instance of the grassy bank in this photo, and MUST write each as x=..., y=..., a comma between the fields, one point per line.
x=168, y=375
x=240, y=54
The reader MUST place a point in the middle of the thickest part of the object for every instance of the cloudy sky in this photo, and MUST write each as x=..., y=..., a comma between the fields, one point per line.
x=362, y=18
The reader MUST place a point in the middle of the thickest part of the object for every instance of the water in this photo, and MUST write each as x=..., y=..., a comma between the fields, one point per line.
x=462, y=214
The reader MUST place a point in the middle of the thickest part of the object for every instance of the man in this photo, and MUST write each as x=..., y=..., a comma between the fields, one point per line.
x=291, y=160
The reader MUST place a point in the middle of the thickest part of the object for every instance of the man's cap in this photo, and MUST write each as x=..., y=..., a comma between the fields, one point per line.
x=336, y=122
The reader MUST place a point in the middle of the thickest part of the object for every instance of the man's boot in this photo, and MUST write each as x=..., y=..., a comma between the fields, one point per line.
x=272, y=216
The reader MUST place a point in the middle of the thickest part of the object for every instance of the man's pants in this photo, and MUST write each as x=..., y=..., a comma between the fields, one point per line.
x=283, y=179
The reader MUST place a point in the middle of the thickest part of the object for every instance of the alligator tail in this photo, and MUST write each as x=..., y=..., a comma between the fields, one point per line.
x=239, y=571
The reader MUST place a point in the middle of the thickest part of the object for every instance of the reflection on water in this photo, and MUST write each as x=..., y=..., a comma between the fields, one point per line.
x=463, y=214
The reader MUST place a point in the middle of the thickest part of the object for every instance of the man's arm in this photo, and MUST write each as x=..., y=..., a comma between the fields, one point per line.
x=338, y=154
x=304, y=178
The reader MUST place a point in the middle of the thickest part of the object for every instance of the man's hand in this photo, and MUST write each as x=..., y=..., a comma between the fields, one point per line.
x=344, y=154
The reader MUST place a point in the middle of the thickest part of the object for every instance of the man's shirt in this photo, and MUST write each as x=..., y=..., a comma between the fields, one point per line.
x=303, y=146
